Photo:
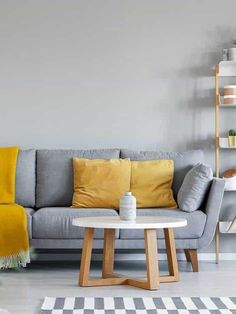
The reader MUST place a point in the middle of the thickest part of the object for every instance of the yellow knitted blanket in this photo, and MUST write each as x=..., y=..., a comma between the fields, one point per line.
x=14, y=241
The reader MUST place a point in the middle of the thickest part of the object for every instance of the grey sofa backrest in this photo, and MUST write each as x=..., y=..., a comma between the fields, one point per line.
x=55, y=174
x=25, y=178
x=183, y=162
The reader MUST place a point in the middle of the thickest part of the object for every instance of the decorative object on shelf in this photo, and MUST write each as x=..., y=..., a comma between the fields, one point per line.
x=224, y=143
x=229, y=90
x=232, y=138
x=225, y=55
x=229, y=97
x=230, y=179
x=232, y=54
x=128, y=207
x=229, y=54
x=230, y=173
x=229, y=100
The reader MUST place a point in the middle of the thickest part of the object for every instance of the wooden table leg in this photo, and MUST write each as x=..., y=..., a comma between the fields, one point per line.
x=108, y=252
x=152, y=258
x=86, y=257
x=152, y=282
x=84, y=279
x=171, y=257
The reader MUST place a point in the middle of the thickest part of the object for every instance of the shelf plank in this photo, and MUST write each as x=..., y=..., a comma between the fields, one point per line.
x=228, y=106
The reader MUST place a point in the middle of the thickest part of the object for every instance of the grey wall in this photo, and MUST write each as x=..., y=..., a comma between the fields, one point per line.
x=125, y=73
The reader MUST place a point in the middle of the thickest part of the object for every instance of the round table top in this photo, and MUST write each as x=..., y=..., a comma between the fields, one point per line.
x=141, y=222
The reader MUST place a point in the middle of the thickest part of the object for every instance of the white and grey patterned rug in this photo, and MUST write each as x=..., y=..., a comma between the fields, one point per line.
x=132, y=305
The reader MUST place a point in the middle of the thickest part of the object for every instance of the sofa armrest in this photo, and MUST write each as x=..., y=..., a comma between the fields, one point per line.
x=212, y=210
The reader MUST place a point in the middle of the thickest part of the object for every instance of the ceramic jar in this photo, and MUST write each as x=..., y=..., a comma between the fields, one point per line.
x=229, y=90
x=229, y=54
x=232, y=54
x=128, y=207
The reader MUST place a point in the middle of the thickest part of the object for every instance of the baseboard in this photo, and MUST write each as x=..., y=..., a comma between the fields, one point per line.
x=131, y=257
x=212, y=256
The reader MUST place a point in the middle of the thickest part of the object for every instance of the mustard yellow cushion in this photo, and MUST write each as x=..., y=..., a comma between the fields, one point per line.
x=151, y=183
x=100, y=183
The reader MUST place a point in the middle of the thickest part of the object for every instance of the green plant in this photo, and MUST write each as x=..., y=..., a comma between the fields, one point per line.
x=232, y=132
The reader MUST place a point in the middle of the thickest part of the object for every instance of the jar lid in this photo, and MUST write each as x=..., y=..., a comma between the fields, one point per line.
x=128, y=193
x=229, y=96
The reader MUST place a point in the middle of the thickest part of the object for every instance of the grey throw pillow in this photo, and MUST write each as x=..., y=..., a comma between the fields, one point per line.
x=194, y=187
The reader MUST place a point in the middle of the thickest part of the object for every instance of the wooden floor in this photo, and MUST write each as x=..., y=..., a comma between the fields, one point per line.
x=22, y=292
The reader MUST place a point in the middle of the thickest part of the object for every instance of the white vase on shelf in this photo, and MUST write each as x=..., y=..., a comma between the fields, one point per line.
x=232, y=54
x=128, y=207
x=229, y=54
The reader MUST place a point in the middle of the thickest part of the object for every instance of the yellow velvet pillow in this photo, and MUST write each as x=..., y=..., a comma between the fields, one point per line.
x=151, y=183
x=100, y=183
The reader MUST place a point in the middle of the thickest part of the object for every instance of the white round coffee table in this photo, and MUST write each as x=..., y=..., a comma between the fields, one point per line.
x=149, y=225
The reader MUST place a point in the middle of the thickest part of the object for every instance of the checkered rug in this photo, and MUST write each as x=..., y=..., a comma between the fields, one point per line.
x=132, y=305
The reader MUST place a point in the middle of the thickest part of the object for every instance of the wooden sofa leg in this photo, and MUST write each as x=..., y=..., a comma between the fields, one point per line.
x=186, y=252
x=191, y=256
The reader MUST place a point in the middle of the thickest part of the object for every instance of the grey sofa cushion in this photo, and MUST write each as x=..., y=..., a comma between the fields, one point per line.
x=194, y=229
x=29, y=213
x=56, y=223
x=194, y=187
x=55, y=174
x=25, y=178
x=183, y=162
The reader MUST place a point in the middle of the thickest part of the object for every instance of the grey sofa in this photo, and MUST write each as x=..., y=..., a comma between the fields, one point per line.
x=44, y=186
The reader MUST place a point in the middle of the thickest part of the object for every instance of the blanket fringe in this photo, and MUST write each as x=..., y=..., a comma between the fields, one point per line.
x=14, y=261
